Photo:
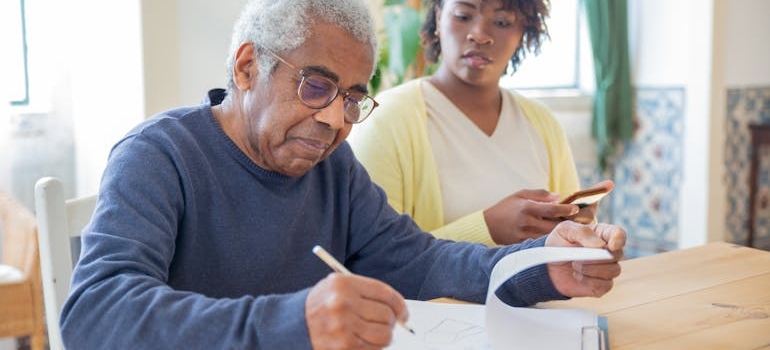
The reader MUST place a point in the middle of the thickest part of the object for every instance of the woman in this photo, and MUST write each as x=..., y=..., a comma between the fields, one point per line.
x=454, y=150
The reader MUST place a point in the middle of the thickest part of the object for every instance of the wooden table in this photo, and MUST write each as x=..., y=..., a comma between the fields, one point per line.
x=715, y=296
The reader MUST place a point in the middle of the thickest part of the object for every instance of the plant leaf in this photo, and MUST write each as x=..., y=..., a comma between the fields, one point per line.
x=394, y=2
x=402, y=26
x=376, y=81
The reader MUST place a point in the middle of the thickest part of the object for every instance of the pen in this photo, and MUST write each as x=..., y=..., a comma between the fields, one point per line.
x=338, y=267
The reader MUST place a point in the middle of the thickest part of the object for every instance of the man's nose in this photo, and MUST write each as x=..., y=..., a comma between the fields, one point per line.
x=332, y=115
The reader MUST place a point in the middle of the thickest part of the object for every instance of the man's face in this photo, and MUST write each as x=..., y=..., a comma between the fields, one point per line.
x=278, y=131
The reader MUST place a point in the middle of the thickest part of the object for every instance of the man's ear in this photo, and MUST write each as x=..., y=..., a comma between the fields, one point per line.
x=245, y=67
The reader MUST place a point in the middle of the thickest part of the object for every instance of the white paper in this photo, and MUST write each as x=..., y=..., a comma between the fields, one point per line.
x=497, y=325
x=442, y=326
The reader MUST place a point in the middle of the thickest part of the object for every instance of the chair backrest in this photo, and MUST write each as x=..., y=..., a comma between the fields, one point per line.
x=60, y=222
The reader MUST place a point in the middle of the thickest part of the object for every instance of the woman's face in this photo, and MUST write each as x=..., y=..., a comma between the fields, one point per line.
x=478, y=38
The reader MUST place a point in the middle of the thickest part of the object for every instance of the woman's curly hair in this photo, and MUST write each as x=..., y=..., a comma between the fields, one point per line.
x=534, y=13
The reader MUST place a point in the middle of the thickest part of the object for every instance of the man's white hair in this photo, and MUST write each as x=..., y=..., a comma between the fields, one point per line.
x=281, y=25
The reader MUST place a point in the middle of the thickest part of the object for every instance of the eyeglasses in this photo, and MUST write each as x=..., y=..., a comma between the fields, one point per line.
x=317, y=91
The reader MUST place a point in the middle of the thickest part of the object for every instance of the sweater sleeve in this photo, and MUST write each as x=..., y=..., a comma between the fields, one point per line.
x=422, y=267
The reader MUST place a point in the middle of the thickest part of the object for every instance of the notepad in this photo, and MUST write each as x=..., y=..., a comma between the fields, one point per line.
x=497, y=325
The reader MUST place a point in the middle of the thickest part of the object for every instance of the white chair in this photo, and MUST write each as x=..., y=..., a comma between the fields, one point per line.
x=59, y=222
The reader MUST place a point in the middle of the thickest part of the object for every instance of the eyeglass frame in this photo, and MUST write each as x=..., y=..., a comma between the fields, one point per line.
x=340, y=91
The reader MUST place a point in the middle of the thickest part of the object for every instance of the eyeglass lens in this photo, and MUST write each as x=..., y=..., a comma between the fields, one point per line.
x=319, y=92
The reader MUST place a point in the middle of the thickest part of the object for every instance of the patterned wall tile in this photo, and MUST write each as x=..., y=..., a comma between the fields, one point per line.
x=647, y=174
x=746, y=106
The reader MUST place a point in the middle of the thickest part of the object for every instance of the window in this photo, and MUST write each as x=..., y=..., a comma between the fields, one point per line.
x=564, y=61
x=14, y=84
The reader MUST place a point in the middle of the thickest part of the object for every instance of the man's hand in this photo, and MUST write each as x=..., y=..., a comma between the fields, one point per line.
x=581, y=279
x=352, y=312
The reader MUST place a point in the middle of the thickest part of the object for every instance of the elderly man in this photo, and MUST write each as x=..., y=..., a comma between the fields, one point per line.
x=207, y=215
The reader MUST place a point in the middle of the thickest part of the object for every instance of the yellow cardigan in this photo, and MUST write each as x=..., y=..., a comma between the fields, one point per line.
x=394, y=147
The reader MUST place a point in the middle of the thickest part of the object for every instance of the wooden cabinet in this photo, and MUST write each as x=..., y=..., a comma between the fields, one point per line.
x=760, y=136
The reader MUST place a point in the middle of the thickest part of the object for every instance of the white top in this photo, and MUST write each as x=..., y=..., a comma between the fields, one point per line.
x=475, y=170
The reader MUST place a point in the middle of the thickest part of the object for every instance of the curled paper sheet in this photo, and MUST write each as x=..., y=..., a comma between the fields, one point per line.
x=497, y=325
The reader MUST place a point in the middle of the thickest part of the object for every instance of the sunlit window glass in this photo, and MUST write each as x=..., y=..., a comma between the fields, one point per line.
x=558, y=66
x=13, y=65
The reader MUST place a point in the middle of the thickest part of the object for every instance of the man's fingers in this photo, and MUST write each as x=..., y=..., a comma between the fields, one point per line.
x=381, y=309
x=597, y=270
x=613, y=235
x=569, y=233
x=377, y=335
x=351, y=311
x=387, y=301
x=376, y=311
x=586, y=278
x=592, y=280
x=595, y=287
x=583, y=235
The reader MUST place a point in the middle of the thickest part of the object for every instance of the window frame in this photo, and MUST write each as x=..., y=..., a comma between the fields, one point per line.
x=25, y=58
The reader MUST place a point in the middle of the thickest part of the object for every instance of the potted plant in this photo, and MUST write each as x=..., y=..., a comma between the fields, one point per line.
x=400, y=51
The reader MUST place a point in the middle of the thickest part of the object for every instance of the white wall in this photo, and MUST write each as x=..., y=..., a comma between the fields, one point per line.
x=186, y=44
x=746, y=49
x=85, y=92
x=705, y=47
x=134, y=59
x=107, y=86
x=671, y=47
x=162, y=76
x=106, y=66
x=742, y=59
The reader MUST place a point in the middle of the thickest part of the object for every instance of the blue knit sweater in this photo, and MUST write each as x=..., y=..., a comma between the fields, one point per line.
x=193, y=246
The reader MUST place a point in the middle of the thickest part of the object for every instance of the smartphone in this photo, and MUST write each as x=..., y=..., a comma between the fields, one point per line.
x=588, y=196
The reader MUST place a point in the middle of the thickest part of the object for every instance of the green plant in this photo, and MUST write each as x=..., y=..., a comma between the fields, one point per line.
x=400, y=46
